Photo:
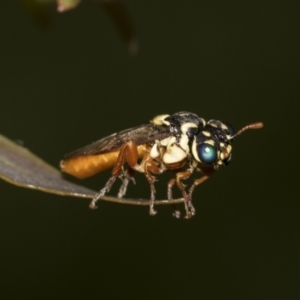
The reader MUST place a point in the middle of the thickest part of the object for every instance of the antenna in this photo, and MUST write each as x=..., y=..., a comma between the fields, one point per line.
x=257, y=125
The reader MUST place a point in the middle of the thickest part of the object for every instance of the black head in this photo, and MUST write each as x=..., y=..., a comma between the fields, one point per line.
x=212, y=146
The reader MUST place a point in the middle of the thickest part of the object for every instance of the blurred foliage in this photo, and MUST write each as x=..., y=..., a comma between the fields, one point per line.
x=39, y=11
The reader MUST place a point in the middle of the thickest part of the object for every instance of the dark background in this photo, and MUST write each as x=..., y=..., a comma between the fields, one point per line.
x=71, y=84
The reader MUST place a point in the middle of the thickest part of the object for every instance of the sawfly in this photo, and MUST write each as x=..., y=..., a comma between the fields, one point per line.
x=182, y=142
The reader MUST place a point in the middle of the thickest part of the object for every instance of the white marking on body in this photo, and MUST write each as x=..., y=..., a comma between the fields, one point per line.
x=184, y=143
x=160, y=120
x=212, y=124
x=194, y=150
x=154, y=153
x=166, y=141
x=223, y=126
x=206, y=133
x=229, y=148
x=186, y=126
x=203, y=121
x=174, y=154
x=210, y=142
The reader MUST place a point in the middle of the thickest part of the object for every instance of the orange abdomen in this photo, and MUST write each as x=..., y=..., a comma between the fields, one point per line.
x=88, y=165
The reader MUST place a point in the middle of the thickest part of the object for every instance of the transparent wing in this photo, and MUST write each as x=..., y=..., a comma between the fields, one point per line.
x=140, y=135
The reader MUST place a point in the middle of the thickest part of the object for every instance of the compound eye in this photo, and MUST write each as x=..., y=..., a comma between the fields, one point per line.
x=207, y=153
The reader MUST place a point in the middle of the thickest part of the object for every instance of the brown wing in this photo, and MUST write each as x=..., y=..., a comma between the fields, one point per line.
x=140, y=135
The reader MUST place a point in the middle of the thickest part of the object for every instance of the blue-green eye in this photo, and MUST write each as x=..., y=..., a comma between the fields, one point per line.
x=207, y=154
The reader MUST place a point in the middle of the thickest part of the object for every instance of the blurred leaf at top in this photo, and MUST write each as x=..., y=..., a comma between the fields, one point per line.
x=39, y=11
x=64, y=5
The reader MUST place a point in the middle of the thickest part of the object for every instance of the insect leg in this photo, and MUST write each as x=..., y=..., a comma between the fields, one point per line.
x=189, y=208
x=128, y=153
x=150, y=166
x=127, y=177
x=176, y=212
x=196, y=183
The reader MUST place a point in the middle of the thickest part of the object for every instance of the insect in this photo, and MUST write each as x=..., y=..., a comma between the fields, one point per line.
x=182, y=143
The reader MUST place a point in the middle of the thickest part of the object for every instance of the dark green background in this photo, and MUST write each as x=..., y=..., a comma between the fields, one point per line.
x=74, y=83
